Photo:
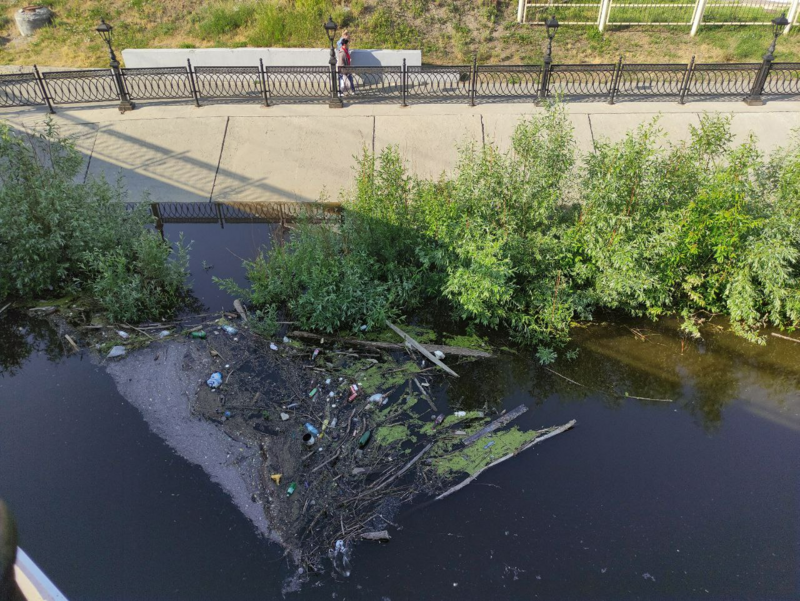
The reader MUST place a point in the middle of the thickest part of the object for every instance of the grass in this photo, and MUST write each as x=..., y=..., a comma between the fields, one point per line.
x=447, y=31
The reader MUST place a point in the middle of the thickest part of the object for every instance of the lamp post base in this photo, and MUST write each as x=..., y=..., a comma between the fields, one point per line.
x=335, y=103
x=125, y=106
x=754, y=102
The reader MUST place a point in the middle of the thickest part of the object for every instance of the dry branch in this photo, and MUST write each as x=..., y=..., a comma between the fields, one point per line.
x=782, y=337
x=428, y=355
x=456, y=351
x=498, y=423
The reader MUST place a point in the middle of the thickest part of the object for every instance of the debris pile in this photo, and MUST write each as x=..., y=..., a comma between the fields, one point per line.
x=346, y=433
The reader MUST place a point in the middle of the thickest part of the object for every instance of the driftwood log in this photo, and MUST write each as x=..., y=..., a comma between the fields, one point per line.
x=782, y=337
x=421, y=349
x=456, y=351
x=498, y=423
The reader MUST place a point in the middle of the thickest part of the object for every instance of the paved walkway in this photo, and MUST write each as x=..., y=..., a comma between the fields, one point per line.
x=249, y=153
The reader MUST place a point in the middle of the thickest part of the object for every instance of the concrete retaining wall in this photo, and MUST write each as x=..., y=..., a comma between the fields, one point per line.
x=273, y=57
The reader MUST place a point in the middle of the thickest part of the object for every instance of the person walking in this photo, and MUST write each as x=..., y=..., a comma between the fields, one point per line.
x=343, y=61
x=345, y=36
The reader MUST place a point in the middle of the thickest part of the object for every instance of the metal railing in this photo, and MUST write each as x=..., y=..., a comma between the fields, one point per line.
x=688, y=13
x=469, y=84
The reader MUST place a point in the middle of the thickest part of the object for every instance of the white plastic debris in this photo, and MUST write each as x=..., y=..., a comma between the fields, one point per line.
x=438, y=354
x=117, y=351
x=230, y=330
x=460, y=413
x=363, y=328
x=331, y=394
x=123, y=335
x=376, y=398
x=273, y=346
x=284, y=416
x=328, y=381
x=286, y=340
x=164, y=333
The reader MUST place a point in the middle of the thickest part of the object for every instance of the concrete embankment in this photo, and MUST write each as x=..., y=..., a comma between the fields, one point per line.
x=180, y=153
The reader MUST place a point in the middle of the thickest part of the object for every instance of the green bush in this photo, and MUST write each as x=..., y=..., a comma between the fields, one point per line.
x=529, y=240
x=60, y=236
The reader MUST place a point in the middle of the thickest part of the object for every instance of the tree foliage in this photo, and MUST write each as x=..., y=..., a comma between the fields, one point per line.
x=60, y=236
x=530, y=240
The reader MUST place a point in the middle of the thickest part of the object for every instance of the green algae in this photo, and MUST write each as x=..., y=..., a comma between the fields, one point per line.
x=386, y=435
x=472, y=342
x=475, y=457
x=379, y=377
x=468, y=420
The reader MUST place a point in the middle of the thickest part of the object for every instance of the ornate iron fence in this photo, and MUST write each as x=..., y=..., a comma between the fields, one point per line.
x=470, y=84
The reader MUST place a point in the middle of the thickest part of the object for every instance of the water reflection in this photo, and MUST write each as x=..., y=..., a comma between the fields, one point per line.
x=22, y=335
x=651, y=361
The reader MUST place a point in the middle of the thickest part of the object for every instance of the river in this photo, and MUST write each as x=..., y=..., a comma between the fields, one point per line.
x=698, y=498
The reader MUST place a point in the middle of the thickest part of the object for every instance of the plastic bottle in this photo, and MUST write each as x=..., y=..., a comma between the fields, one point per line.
x=312, y=429
x=291, y=489
x=215, y=380
x=201, y=334
x=362, y=442
x=340, y=556
x=230, y=330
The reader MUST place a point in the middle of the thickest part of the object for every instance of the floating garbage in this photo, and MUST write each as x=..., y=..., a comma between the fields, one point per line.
x=313, y=392
x=327, y=382
x=201, y=335
x=438, y=354
x=276, y=478
x=488, y=444
x=291, y=489
x=123, y=335
x=215, y=380
x=331, y=394
x=227, y=414
x=340, y=555
x=284, y=416
x=460, y=413
x=314, y=354
x=286, y=340
x=273, y=346
x=164, y=333
x=376, y=398
x=311, y=429
x=230, y=330
x=439, y=419
x=117, y=351
x=362, y=442
x=308, y=439
x=333, y=422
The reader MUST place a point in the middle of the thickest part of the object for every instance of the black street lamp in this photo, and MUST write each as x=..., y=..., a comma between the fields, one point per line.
x=552, y=26
x=125, y=104
x=754, y=99
x=335, y=101
x=778, y=25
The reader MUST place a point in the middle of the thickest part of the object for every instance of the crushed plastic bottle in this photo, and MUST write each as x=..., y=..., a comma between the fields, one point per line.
x=215, y=380
x=376, y=398
x=164, y=333
x=340, y=556
x=273, y=346
x=311, y=429
x=230, y=330
x=117, y=351
x=123, y=335
x=201, y=335
x=438, y=354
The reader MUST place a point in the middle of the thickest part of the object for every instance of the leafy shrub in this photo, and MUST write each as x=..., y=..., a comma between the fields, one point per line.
x=529, y=240
x=59, y=236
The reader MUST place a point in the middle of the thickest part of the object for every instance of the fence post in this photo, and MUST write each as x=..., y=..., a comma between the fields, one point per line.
x=602, y=19
x=155, y=209
x=473, y=79
x=697, y=16
x=262, y=72
x=403, y=83
x=687, y=78
x=754, y=99
x=792, y=15
x=521, y=11
x=544, y=84
x=195, y=95
x=125, y=103
x=615, y=81
x=43, y=89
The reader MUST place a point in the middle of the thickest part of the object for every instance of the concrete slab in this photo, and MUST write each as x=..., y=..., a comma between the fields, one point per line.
x=500, y=128
x=83, y=136
x=428, y=144
x=174, y=160
x=771, y=129
x=290, y=158
x=614, y=127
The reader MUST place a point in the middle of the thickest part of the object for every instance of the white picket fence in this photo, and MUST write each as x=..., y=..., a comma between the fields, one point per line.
x=691, y=14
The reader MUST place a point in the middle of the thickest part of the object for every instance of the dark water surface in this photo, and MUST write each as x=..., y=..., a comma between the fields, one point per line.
x=694, y=499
